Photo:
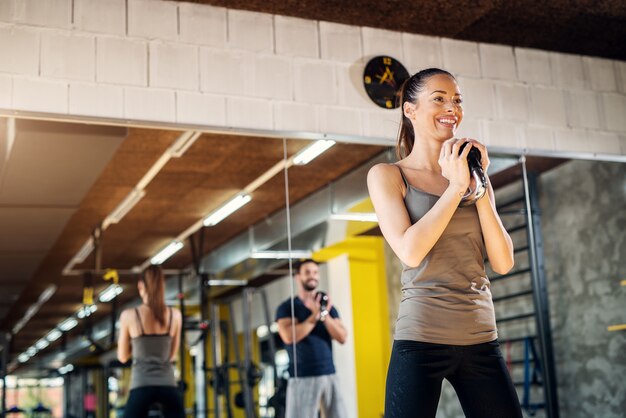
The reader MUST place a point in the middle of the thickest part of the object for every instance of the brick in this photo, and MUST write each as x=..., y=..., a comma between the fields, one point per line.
x=340, y=42
x=512, y=102
x=572, y=140
x=68, y=56
x=22, y=45
x=620, y=71
x=604, y=142
x=272, y=77
x=249, y=113
x=533, y=66
x=601, y=74
x=582, y=109
x=539, y=137
x=421, y=52
x=497, y=61
x=49, y=13
x=121, y=61
x=382, y=42
x=6, y=91
x=202, y=24
x=461, y=57
x=224, y=71
x=315, y=82
x=478, y=97
x=296, y=37
x=289, y=116
x=153, y=19
x=342, y=121
x=250, y=30
x=567, y=71
x=149, y=104
x=350, y=87
x=503, y=134
x=96, y=100
x=7, y=10
x=40, y=95
x=622, y=140
x=103, y=16
x=200, y=109
x=546, y=107
x=382, y=124
x=174, y=66
x=614, y=107
x=470, y=128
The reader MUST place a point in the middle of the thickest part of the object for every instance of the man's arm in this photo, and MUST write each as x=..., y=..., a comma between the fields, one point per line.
x=336, y=329
x=302, y=329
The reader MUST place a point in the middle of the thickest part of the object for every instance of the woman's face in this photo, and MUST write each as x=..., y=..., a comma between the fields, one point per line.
x=438, y=111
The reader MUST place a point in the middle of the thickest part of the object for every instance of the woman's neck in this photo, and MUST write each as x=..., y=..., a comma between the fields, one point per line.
x=424, y=155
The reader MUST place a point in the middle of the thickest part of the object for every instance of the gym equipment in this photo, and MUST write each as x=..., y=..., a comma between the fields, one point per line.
x=477, y=173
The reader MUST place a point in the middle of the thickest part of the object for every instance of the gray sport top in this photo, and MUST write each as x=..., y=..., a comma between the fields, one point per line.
x=447, y=298
x=151, y=352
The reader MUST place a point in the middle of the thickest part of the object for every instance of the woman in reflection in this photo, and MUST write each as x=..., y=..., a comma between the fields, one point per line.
x=446, y=326
x=152, y=333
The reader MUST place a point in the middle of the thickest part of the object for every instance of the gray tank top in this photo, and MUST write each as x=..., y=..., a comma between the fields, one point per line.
x=447, y=298
x=151, y=352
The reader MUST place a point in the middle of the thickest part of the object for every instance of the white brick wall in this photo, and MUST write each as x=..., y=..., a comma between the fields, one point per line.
x=296, y=37
x=251, y=31
x=153, y=19
x=202, y=24
x=68, y=56
x=200, y=109
x=121, y=61
x=174, y=66
x=421, y=52
x=96, y=100
x=497, y=61
x=461, y=57
x=40, y=95
x=340, y=42
x=169, y=61
x=105, y=16
x=52, y=13
x=22, y=46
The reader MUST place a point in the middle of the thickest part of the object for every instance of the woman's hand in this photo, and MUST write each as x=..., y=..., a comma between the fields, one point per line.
x=484, y=156
x=454, y=166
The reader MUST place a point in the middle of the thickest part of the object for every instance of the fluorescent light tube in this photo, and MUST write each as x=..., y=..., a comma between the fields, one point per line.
x=85, y=311
x=171, y=249
x=355, y=216
x=84, y=251
x=226, y=209
x=110, y=293
x=23, y=358
x=312, y=151
x=53, y=335
x=279, y=255
x=41, y=344
x=31, y=351
x=66, y=369
x=47, y=294
x=68, y=324
x=123, y=208
x=183, y=143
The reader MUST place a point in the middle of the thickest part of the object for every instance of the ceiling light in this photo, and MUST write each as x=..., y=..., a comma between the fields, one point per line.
x=226, y=209
x=171, y=249
x=279, y=255
x=23, y=358
x=355, y=216
x=123, y=208
x=311, y=152
x=53, y=335
x=183, y=143
x=227, y=282
x=31, y=351
x=34, y=308
x=110, y=293
x=84, y=251
x=66, y=369
x=41, y=344
x=68, y=324
x=85, y=311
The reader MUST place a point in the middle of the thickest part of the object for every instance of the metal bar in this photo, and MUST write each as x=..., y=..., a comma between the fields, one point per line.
x=521, y=227
x=540, y=294
x=521, y=249
x=182, y=350
x=5, y=358
x=515, y=317
x=247, y=353
x=216, y=350
x=268, y=323
x=516, y=339
x=505, y=276
x=513, y=295
x=510, y=202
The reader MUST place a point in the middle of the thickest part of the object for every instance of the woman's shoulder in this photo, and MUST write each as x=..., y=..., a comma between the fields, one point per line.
x=384, y=171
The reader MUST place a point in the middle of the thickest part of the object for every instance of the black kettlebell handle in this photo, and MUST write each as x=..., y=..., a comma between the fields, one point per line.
x=476, y=171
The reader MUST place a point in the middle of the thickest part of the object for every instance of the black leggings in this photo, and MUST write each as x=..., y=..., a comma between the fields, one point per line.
x=167, y=397
x=477, y=373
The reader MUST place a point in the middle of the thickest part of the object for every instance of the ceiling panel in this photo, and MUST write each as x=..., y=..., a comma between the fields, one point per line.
x=31, y=229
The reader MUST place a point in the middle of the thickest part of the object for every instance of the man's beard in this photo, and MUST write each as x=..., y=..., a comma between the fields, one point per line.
x=310, y=287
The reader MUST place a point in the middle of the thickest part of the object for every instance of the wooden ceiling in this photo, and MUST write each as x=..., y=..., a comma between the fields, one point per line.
x=212, y=170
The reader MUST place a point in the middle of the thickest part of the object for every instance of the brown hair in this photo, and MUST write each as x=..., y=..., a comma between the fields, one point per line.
x=300, y=263
x=154, y=283
x=408, y=93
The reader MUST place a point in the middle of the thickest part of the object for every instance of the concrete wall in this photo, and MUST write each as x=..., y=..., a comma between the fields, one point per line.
x=171, y=62
x=583, y=226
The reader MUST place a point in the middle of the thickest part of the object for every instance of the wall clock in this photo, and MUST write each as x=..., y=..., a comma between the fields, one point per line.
x=382, y=79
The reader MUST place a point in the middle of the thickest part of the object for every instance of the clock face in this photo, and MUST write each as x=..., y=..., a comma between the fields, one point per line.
x=382, y=79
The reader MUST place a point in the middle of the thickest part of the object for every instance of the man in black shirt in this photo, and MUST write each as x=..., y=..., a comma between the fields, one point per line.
x=313, y=380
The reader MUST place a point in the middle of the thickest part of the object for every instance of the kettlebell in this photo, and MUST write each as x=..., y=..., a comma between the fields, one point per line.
x=476, y=172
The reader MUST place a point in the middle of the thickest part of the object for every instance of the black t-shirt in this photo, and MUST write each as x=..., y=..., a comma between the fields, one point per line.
x=315, y=351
